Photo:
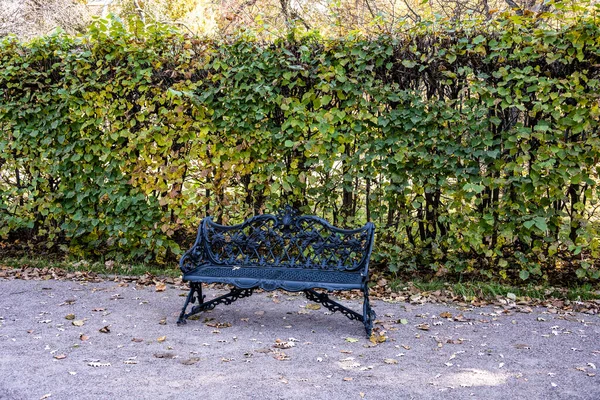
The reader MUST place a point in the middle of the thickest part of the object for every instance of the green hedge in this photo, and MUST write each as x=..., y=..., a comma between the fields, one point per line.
x=474, y=149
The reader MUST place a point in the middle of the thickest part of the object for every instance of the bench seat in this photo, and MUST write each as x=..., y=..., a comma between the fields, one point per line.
x=271, y=278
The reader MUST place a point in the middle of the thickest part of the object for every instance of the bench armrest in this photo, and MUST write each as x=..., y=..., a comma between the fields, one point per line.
x=196, y=255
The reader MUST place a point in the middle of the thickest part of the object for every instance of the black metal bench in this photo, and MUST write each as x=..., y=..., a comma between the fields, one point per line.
x=283, y=251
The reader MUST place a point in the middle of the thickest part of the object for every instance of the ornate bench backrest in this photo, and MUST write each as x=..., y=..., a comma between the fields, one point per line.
x=287, y=240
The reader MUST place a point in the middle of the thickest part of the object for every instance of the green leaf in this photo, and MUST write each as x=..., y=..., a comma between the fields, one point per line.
x=540, y=223
x=408, y=63
x=524, y=274
x=581, y=273
x=529, y=224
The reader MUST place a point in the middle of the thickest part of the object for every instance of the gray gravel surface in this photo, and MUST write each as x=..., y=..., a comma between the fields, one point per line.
x=472, y=353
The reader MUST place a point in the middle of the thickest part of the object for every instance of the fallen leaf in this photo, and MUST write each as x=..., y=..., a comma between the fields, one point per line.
x=190, y=361
x=47, y=395
x=446, y=314
x=219, y=325
x=377, y=337
x=281, y=356
x=405, y=347
x=461, y=318
x=404, y=321
x=313, y=306
x=60, y=356
x=160, y=287
x=390, y=361
x=165, y=355
x=83, y=337
x=137, y=340
x=423, y=327
x=70, y=316
x=348, y=364
x=259, y=313
x=161, y=339
x=280, y=344
x=347, y=379
x=98, y=364
x=163, y=321
x=78, y=322
x=130, y=362
x=351, y=340
x=105, y=329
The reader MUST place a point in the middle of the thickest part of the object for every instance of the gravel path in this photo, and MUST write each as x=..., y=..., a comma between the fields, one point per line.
x=74, y=340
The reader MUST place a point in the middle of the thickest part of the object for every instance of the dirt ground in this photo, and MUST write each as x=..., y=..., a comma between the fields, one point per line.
x=81, y=340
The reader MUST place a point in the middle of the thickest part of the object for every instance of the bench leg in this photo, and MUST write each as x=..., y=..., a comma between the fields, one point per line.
x=368, y=313
x=331, y=305
x=195, y=293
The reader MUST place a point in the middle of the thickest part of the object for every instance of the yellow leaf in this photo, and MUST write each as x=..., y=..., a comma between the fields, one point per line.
x=78, y=322
x=313, y=306
x=161, y=339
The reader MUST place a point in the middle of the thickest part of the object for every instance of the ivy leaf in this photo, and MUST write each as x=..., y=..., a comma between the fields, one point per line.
x=524, y=274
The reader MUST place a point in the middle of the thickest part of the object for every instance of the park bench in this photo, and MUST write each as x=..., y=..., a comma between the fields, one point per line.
x=283, y=251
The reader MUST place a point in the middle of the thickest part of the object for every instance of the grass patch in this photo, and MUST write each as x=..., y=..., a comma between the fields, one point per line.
x=492, y=290
x=467, y=290
x=108, y=268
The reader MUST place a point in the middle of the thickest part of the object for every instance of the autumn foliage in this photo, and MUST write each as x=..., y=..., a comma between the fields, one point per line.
x=473, y=148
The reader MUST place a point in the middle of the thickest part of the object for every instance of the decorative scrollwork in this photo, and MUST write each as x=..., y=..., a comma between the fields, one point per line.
x=290, y=241
x=233, y=295
x=331, y=305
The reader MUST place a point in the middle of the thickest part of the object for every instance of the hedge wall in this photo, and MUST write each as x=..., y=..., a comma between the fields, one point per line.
x=474, y=148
